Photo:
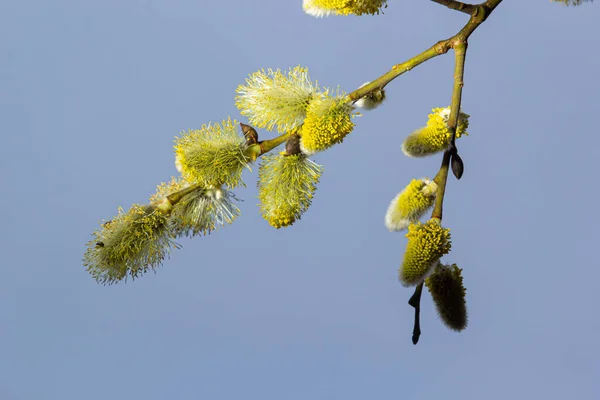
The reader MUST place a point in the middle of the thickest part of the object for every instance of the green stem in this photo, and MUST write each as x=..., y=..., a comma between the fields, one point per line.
x=460, y=52
x=440, y=179
x=174, y=198
x=479, y=14
x=270, y=144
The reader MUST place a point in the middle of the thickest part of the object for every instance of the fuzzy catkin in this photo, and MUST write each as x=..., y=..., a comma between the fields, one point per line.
x=129, y=245
x=214, y=155
x=448, y=291
x=286, y=185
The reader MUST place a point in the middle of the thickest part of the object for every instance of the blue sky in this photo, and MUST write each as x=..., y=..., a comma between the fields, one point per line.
x=92, y=94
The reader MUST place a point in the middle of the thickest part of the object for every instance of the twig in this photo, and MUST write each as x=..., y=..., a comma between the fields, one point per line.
x=415, y=301
x=460, y=52
x=479, y=14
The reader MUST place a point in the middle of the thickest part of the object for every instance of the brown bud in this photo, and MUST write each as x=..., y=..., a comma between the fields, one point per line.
x=457, y=166
x=99, y=244
x=250, y=134
x=292, y=145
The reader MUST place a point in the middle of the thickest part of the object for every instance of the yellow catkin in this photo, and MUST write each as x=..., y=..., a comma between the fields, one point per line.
x=214, y=155
x=286, y=185
x=410, y=204
x=323, y=8
x=275, y=99
x=328, y=121
x=129, y=245
x=435, y=136
x=427, y=242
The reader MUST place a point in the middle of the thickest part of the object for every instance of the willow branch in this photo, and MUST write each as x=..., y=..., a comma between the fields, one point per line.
x=440, y=179
x=479, y=14
x=176, y=197
x=457, y=5
x=460, y=51
x=270, y=144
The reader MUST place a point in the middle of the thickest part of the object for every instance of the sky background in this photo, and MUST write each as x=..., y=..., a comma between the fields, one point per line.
x=92, y=94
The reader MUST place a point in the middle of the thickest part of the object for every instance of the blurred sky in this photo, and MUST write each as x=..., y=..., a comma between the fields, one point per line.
x=92, y=94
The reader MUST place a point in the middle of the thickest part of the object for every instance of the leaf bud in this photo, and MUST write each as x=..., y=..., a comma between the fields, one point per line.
x=292, y=146
x=457, y=166
x=249, y=133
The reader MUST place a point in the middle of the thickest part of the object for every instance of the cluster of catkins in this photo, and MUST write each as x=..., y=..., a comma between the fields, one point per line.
x=429, y=241
x=211, y=160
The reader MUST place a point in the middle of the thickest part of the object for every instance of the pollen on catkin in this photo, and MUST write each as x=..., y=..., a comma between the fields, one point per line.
x=214, y=155
x=324, y=8
x=410, y=204
x=129, y=245
x=427, y=242
x=276, y=99
x=438, y=120
x=286, y=185
x=435, y=136
x=328, y=121
x=446, y=287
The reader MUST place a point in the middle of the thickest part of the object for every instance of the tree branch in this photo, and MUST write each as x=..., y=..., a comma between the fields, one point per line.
x=270, y=144
x=478, y=16
x=460, y=52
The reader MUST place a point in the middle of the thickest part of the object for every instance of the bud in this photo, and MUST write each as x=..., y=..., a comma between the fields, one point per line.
x=446, y=287
x=457, y=166
x=292, y=146
x=250, y=134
